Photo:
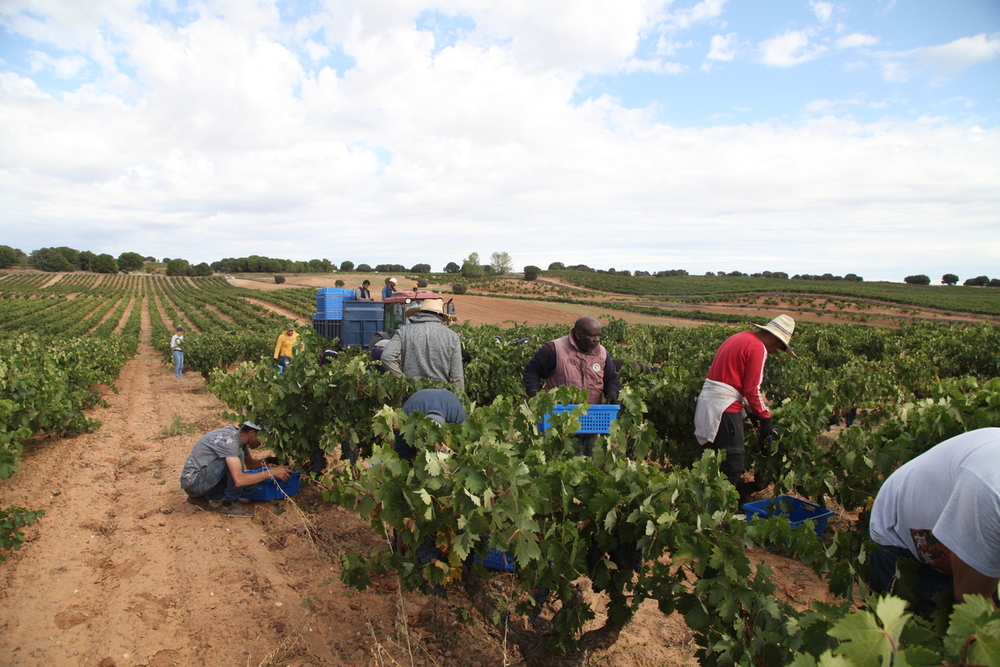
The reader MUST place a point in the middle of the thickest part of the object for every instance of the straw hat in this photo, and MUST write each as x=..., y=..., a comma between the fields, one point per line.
x=435, y=306
x=782, y=327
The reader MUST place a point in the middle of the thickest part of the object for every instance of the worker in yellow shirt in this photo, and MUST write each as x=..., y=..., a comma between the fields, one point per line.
x=286, y=346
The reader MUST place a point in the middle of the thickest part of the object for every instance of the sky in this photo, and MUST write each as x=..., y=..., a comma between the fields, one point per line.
x=806, y=136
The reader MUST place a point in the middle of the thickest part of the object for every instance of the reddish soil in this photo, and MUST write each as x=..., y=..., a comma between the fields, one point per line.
x=122, y=572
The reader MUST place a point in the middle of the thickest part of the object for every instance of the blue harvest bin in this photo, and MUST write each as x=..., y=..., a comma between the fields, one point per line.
x=499, y=560
x=799, y=510
x=272, y=489
x=597, y=419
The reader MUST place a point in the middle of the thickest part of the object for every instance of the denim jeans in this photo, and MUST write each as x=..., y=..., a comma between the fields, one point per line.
x=178, y=362
x=215, y=482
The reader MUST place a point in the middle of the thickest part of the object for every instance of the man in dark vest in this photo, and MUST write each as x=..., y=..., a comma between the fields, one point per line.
x=576, y=360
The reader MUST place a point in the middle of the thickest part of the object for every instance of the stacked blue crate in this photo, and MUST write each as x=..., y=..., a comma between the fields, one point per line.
x=330, y=302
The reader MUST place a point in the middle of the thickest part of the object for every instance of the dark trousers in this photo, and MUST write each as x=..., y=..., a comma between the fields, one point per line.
x=895, y=570
x=730, y=439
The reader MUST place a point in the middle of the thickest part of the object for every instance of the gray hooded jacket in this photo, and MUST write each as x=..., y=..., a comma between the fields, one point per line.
x=425, y=348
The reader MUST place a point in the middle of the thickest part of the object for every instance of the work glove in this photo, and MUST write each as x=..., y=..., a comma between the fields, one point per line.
x=764, y=429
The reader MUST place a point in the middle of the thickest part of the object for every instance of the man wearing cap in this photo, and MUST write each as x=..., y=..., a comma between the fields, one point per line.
x=426, y=347
x=214, y=475
x=286, y=346
x=732, y=390
x=576, y=360
x=389, y=289
x=362, y=293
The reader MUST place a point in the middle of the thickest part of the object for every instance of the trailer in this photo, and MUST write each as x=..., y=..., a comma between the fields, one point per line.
x=364, y=323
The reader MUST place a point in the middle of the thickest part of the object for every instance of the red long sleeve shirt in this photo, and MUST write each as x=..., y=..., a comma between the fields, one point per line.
x=739, y=362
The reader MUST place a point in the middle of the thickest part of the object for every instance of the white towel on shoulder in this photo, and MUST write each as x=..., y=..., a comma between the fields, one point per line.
x=713, y=400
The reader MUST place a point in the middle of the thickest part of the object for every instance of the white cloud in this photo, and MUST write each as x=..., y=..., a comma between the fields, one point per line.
x=724, y=48
x=856, y=40
x=793, y=47
x=704, y=11
x=218, y=131
x=822, y=10
x=959, y=54
x=64, y=68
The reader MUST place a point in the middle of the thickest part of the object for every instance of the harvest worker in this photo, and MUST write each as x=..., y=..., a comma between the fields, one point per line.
x=286, y=345
x=733, y=388
x=576, y=360
x=176, y=342
x=440, y=405
x=426, y=347
x=362, y=293
x=389, y=289
x=941, y=513
x=214, y=475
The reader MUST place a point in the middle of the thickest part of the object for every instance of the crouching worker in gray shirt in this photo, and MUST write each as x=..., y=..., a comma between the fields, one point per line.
x=214, y=476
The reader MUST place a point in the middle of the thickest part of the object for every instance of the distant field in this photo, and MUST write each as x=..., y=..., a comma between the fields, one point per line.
x=985, y=300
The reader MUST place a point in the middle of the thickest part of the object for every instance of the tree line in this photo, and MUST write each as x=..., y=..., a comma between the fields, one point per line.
x=952, y=279
x=69, y=259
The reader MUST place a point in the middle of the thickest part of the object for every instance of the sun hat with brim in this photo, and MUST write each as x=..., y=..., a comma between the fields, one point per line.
x=435, y=306
x=782, y=327
x=249, y=424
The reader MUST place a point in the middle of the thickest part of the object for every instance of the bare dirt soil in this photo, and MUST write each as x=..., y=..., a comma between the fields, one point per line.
x=122, y=572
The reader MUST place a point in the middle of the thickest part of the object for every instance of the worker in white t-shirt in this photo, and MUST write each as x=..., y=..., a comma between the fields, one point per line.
x=942, y=509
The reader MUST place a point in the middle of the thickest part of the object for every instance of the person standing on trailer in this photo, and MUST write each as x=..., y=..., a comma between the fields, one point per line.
x=362, y=292
x=389, y=289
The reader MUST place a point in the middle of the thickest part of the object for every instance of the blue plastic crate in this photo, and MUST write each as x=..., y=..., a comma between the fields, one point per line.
x=499, y=560
x=597, y=419
x=799, y=511
x=272, y=489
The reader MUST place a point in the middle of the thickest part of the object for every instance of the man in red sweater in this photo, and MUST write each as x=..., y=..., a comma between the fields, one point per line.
x=732, y=390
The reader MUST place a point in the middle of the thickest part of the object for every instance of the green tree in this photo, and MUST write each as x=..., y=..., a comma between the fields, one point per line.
x=71, y=254
x=130, y=261
x=177, y=267
x=556, y=266
x=458, y=288
x=452, y=267
x=104, y=263
x=346, y=266
x=500, y=262
x=421, y=268
x=8, y=256
x=531, y=272
x=471, y=267
x=203, y=269
x=919, y=279
x=978, y=281
x=949, y=279
x=279, y=279
x=50, y=259
x=364, y=268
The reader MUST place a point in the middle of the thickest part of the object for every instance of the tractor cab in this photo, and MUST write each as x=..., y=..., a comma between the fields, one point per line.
x=394, y=308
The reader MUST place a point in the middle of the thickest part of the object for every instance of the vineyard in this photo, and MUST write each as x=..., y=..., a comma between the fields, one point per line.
x=646, y=519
